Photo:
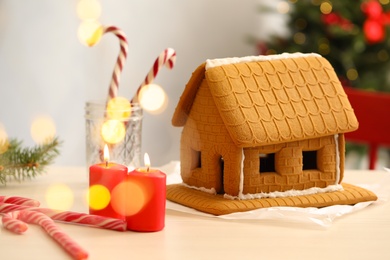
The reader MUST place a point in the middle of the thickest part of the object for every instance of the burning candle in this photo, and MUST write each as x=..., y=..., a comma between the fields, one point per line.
x=145, y=203
x=103, y=178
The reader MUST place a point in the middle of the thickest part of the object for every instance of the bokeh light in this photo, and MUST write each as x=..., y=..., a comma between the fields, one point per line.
x=113, y=131
x=43, y=129
x=89, y=9
x=3, y=140
x=283, y=7
x=352, y=74
x=300, y=23
x=128, y=198
x=119, y=108
x=152, y=98
x=383, y=55
x=323, y=46
x=90, y=32
x=59, y=196
x=299, y=38
x=98, y=197
x=326, y=7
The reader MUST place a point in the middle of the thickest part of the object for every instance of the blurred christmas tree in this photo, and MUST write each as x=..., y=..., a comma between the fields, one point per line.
x=352, y=35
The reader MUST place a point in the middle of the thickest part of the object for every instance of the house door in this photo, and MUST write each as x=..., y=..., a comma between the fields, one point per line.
x=221, y=175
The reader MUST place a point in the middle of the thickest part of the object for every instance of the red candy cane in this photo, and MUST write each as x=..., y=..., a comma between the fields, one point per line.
x=12, y=223
x=71, y=217
x=166, y=58
x=31, y=217
x=19, y=201
x=114, y=85
x=85, y=219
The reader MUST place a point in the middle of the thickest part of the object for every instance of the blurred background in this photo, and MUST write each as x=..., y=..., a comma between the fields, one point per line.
x=46, y=72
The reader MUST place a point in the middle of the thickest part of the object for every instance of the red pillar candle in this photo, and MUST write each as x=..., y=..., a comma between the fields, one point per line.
x=103, y=179
x=145, y=202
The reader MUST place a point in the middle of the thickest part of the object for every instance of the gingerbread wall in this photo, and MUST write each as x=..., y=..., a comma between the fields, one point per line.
x=205, y=135
x=289, y=173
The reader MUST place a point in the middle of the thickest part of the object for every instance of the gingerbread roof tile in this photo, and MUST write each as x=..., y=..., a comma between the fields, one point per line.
x=273, y=100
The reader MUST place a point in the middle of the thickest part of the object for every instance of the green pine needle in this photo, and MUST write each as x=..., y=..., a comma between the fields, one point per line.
x=341, y=40
x=20, y=163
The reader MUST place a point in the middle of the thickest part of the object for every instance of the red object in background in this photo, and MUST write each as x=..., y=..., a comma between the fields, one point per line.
x=147, y=200
x=374, y=31
x=109, y=175
x=374, y=26
x=372, y=110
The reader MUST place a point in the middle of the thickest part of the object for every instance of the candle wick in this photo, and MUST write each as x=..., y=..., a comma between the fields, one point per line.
x=147, y=169
x=106, y=164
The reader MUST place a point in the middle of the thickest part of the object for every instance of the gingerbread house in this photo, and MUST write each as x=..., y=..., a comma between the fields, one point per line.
x=263, y=124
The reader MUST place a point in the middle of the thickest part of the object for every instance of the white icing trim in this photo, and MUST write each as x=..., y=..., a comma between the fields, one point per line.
x=211, y=63
x=336, y=140
x=210, y=191
x=289, y=193
x=241, y=187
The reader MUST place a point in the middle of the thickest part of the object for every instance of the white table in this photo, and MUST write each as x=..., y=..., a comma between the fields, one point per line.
x=364, y=234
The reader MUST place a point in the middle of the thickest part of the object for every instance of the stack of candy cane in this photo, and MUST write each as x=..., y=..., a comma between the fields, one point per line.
x=15, y=221
x=17, y=211
x=166, y=58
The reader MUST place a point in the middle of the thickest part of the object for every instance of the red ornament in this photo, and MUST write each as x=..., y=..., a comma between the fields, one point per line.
x=373, y=31
x=336, y=19
x=373, y=27
x=372, y=9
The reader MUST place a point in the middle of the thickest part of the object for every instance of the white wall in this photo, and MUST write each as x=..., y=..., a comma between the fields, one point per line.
x=44, y=69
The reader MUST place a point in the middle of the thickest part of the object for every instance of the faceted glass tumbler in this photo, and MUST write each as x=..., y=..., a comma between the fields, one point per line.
x=124, y=134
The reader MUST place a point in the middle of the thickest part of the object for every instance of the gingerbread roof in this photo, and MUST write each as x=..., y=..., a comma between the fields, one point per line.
x=275, y=100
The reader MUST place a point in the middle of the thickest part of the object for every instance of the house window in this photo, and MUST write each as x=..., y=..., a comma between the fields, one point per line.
x=309, y=160
x=196, y=159
x=267, y=162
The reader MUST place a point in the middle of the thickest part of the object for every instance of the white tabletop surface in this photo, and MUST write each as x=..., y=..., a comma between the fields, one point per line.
x=362, y=234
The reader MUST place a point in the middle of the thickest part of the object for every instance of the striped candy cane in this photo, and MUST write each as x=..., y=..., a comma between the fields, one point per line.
x=166, y=58
x=19, y=201
x=12, y=223
x=71, y=217
x=37, y=218
x=114, y=85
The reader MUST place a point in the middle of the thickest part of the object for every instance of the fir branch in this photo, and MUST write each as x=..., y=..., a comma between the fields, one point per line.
x=20, y=163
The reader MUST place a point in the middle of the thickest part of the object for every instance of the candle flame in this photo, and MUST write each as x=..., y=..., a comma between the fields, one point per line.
x=147, y=161
x=106, y=154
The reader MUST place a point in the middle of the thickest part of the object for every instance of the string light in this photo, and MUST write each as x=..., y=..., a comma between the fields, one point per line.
x=300, y=23
x=383, y=55
x=43, y=129
x=3, y=140
x=118, y=108
x=152, y=98
x=352, y=74
x=113, y=131
x=299, y=38
x=89, y=10
x=89, y=31
x=283, y=7
x=59, y=196
x=326, y=7
x=323, y=46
